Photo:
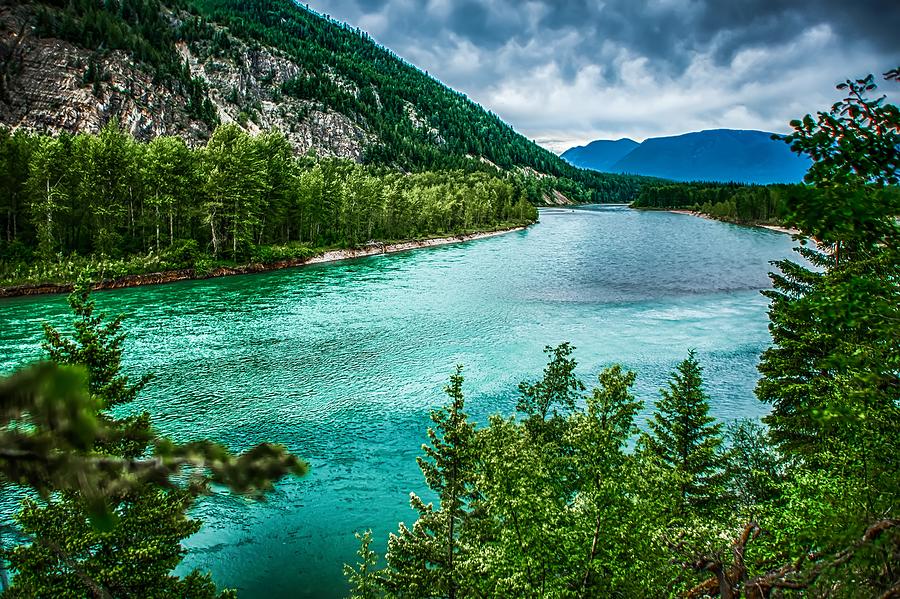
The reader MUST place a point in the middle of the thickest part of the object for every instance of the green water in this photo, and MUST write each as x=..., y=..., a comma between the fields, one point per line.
x=343, y=362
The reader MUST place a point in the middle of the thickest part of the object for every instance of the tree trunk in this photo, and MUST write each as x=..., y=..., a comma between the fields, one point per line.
x=215, y=241
x=451, y=586
x=235, y=232
x=593, y=552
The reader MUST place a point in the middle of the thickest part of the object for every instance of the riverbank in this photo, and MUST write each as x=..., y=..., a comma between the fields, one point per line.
x=776, y=228
x=186, y=274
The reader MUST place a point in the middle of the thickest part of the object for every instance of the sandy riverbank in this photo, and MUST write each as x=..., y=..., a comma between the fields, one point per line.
x=156, y=278
x=403, y=246
x=776, y=228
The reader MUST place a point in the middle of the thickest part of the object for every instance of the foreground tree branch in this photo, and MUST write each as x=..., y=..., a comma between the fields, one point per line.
x=730, y=581
x=50, y=427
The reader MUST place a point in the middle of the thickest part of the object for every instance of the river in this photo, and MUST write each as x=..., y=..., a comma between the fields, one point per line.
x=342, y=362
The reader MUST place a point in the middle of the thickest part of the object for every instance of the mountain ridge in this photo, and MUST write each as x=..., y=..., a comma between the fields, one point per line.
x=600, y=154
x=720, y=155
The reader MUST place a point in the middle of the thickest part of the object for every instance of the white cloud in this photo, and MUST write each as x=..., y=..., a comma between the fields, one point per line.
x=760, y=88
x=566, y=78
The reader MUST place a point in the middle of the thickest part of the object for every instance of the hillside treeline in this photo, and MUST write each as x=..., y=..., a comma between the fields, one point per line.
x=733, y=202
x=238, y=198
x=727, y=201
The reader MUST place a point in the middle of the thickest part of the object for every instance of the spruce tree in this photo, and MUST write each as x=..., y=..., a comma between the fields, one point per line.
x=685, y=439
x=831, y=375
x=365, y=581
x=422, y=561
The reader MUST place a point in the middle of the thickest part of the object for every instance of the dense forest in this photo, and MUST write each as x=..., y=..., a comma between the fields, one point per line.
x=736, y=202
x=110, y=203
x=415, y=122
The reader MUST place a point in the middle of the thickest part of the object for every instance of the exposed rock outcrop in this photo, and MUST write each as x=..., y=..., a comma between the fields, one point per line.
x=44, y=87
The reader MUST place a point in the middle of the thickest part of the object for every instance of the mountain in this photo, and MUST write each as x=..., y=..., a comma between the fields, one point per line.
x=599, y=155
x=182, y=67
x=723, y=155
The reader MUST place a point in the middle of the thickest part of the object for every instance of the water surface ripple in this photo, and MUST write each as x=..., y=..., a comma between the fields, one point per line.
x=343, y=362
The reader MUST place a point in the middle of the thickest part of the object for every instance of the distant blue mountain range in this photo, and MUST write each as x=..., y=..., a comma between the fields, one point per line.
x=600, y=155
x=714, y=155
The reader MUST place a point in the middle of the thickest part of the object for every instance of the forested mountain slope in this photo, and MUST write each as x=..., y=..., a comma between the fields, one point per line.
x=181, y=67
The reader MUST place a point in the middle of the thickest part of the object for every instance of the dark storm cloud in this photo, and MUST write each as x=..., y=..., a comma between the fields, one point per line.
x=569, y=71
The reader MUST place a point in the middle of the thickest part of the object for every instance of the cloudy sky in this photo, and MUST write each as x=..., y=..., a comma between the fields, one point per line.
x=564, y=72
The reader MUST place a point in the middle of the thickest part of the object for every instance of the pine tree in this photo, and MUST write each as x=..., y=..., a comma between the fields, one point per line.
x=422, y=560
x=685, y=439
x=364, y=579
x=97, y=346
x=71, y=558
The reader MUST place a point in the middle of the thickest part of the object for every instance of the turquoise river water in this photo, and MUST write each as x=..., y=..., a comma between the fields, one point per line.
x=343, y=362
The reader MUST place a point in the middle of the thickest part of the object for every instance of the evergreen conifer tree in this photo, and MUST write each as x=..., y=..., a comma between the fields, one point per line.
x=831, y=375
x=364, y=579
x=685, y=439
x=422, y=561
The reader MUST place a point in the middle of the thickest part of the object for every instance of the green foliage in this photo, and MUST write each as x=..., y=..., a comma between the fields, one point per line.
x=559, y=389
x=423, y=560
x=416, y=123
x=97, y=346
x=734, y=202
x=232, y=181
x=854, y=143
x=569, y=515
x=832, y=373
x=581, y=515
x=112, y=207
x=807, y=505
x=363, y=580
x=686, y=440
x=754, y=469
x=71, y=558
x=345, y=71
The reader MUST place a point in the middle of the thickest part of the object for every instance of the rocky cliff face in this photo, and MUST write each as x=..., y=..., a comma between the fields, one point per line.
x=44, y=87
